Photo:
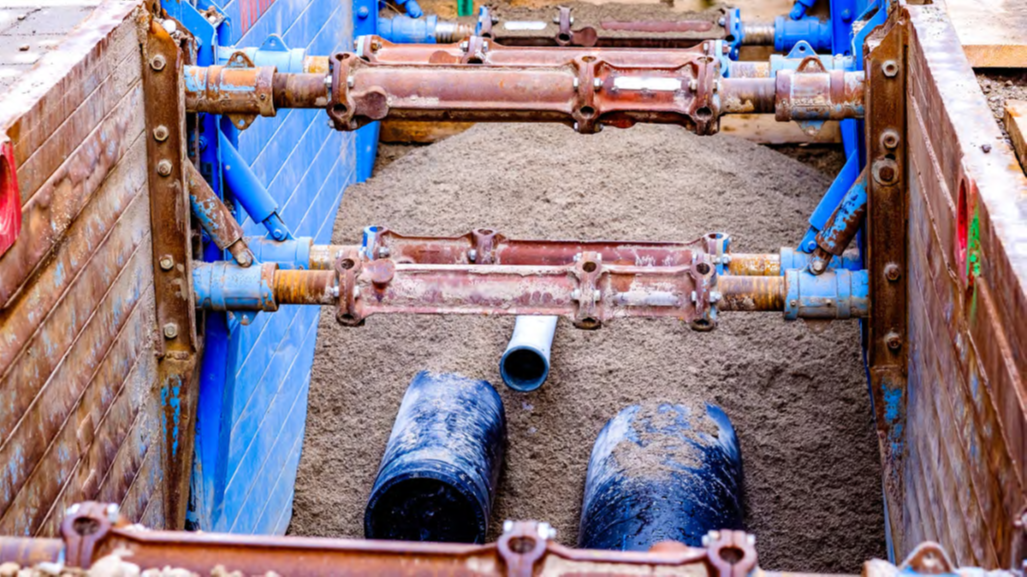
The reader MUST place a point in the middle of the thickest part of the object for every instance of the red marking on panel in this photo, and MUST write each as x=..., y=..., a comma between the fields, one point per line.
x=10, y=198
x=250, y=12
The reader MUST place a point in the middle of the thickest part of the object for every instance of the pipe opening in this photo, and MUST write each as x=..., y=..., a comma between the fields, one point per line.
x=524, y=369
x=425, y=509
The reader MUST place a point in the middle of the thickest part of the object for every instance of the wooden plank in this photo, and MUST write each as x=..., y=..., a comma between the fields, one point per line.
x=46, y=218
x=1016, y=126
x=993, y=32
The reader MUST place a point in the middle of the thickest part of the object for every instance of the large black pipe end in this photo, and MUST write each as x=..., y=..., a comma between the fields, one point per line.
x=437, y=479
x=662, y=472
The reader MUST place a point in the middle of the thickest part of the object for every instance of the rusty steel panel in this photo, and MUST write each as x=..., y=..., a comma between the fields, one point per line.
x=961, y=415
x=35, y=108
x=43, y=353
x=146, y=485
x=91, y=346
x=47, y=216
x=42, y=163
x=968, y=271
x=128, y=381
x=87, y=233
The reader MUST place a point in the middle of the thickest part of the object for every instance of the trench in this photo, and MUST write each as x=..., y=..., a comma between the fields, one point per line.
x=796, y=394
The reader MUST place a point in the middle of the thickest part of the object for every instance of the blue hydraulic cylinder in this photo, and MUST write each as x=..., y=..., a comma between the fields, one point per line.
x=223, y=286
x=794, y=259
x=406, y=30
x=841, y=185
x=412, y=8
x=847, y=219
x=249, y=191
x=834, y=294
x=788, y=32
x=289, y=254
x=273, y=52
x=800, y=7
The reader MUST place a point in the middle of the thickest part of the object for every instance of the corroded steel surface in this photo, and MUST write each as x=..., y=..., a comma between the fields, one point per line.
x=76, y=352
x=97, y=536
x=170, y=214
x=967, y=273
x=584, y=88
x=887, y=189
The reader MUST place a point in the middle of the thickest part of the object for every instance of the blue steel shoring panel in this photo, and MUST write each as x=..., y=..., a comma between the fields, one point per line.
x=253, y=396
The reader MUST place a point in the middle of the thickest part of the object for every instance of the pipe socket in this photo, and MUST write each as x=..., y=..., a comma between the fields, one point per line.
x=525, y=364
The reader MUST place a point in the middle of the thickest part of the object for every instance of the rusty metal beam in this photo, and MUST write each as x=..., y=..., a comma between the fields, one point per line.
x=584, y=88
x=886, y=249
x=178, y=344
x=96, y=536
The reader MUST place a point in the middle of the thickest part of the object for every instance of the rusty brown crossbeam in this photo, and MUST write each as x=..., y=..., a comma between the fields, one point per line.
x=585, y=88
x=95, y=536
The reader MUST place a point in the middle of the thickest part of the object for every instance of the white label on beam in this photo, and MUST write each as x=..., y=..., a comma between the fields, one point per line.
x=654, y=83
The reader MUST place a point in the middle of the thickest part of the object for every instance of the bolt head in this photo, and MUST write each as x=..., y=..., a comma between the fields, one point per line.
x=890, y=68
x=986, y=148
x=597, y=83
x=472, y=255
x=161, y=133
x=167, y=262
x=363, y=12
x=170, y=331
x=112, y=512
x=887, y=174
x=893, y=341
x=721, y=21
x=384, y=252
x=818, y=265
x=507, y=526
x=892, y=272
x=890, y=139
x=164, y=167
x=158, y=62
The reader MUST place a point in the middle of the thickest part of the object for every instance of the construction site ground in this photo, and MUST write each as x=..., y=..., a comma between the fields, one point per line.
x=796, y=393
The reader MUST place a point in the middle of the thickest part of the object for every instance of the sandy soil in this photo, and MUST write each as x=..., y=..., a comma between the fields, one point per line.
x=797, y=398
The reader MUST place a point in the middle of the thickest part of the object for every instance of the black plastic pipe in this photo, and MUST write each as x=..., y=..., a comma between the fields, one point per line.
x=662, y=472
x=437, y=479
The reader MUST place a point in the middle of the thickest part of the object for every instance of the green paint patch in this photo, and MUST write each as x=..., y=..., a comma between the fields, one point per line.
x=973, y=261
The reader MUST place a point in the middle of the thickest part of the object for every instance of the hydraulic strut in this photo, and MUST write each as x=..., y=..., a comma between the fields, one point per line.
x=410, y=275
x=582, y=87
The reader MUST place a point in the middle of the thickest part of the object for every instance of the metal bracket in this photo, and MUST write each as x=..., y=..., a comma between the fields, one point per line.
x=347, y=269
x=178, y=344
x=731, y=553
x=585, y=37
x=239, y=59
x=886, y=250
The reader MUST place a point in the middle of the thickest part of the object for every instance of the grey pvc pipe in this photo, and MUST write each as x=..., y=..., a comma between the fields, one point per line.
x=525, y=364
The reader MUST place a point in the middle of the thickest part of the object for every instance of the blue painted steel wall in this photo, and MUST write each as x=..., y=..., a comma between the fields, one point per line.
x=253, y=396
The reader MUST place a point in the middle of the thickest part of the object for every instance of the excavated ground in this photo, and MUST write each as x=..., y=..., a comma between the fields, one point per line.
x=797, y=396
